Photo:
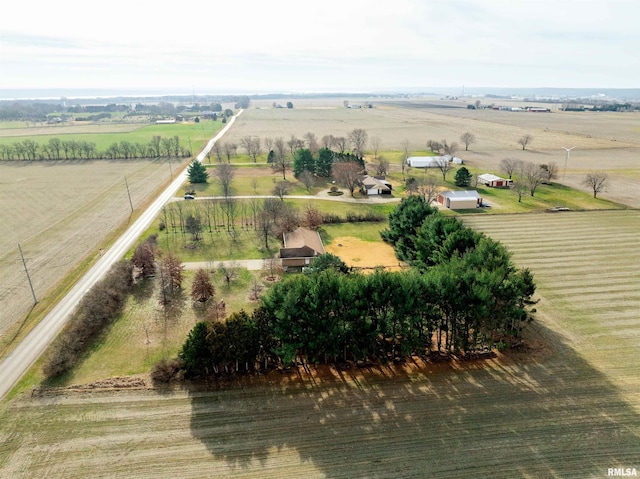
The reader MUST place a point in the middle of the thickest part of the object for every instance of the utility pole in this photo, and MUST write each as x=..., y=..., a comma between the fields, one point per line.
x=35, y=300
x=128, y=193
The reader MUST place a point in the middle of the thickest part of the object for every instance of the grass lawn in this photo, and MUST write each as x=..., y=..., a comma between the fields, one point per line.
x=146, y=332
x=365, y=231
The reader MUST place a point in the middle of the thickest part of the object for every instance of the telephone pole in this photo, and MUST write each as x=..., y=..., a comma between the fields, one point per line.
x=35, y=300
x=128, y=193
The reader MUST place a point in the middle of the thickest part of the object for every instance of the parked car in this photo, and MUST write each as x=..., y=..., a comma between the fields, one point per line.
x=189, y=197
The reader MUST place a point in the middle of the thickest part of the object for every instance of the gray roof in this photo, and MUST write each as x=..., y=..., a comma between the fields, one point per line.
x=379, y=183
x=461, y=194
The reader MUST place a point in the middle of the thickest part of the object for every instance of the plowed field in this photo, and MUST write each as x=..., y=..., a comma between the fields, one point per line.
x=566, y=406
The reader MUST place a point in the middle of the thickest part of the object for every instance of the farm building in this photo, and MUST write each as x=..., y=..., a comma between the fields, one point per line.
x=375, y=185
x=494, y=181
x=432, y=161
x=460, y=200
x=301, y=246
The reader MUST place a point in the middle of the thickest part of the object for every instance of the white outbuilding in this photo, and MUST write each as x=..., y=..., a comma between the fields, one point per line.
x=460, y=200
x=494, y=181
x=432, y=161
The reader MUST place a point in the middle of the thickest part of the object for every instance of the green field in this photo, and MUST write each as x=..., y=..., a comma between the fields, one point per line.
x=104, y=135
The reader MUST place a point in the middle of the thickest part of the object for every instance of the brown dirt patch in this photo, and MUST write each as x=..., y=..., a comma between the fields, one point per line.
x=365, y=255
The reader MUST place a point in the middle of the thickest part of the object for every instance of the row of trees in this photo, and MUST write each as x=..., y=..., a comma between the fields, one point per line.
x=57, y=149
x=354, y=143
x=97, y=309
x=527, y=175
x=462, y=295
x=267, y=217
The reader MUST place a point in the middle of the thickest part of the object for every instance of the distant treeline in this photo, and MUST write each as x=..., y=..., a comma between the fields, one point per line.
x=38, y=110
x=57, y=149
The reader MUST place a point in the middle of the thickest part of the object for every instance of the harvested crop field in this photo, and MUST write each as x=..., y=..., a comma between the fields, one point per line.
x=565, y=405
x=586, y=268
x=365, y=255
x=59, y=212
x=604, y=141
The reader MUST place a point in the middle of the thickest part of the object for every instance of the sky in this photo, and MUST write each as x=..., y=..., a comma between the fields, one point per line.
x=255, y=46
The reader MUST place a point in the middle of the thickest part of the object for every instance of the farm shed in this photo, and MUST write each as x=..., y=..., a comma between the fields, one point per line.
x=375, y=185
x=494, y=181
x=432, y=161
x=301, y=246
x=460, y=200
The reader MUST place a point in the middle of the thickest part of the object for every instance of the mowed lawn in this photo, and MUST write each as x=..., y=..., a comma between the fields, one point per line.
x=568, y=407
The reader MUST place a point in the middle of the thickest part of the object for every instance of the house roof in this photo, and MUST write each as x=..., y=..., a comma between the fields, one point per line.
x=301, y=238
x=370, y=182
x=461, y=194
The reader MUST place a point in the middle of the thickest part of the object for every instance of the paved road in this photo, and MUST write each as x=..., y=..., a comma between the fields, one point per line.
x=33, y=345
x=320, y=196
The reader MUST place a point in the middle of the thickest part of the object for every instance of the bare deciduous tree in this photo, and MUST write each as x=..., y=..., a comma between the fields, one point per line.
x=308, y=179
x=266, y=219
x=255, y=148
x=375, y=146
x=525, y=141
x=549, y=171
x=202, y=289
x=280, y=161
x=312, y=217
x=340, y=142
x=445, y=166
x=381, y=166
x=312, y=142
x=427, y=186
x=509, y=166
x=519, y=188
x=406, y=152
x=347, y=174
x=229, y=270
x=327, y=141
x=229, y=150
x=294, y=144
x=224, y=173
x=268, y=144
x=450, y=148
x=596, y=181
x=172, y=274
x=281, y=189
x=434, y=146
x=467, y=138
x=358, y=141
x=531, y=175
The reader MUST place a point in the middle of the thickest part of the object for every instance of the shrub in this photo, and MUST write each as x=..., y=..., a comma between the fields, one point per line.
x=99, y=307
x=167, y=369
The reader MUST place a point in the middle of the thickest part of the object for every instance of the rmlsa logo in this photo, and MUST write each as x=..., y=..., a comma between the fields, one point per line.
x=622, y=472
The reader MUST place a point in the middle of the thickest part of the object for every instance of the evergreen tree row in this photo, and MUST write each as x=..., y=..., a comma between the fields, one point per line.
x=320, y=165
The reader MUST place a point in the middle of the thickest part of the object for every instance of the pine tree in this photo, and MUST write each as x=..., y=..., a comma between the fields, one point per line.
x=197, y=172
x=463, y=177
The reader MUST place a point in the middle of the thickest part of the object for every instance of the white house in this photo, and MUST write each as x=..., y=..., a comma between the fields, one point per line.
x=375, y=185
x=460, y=200
x=494, y=181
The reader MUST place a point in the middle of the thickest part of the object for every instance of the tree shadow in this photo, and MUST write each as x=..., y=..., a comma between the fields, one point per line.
x=547, y=414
